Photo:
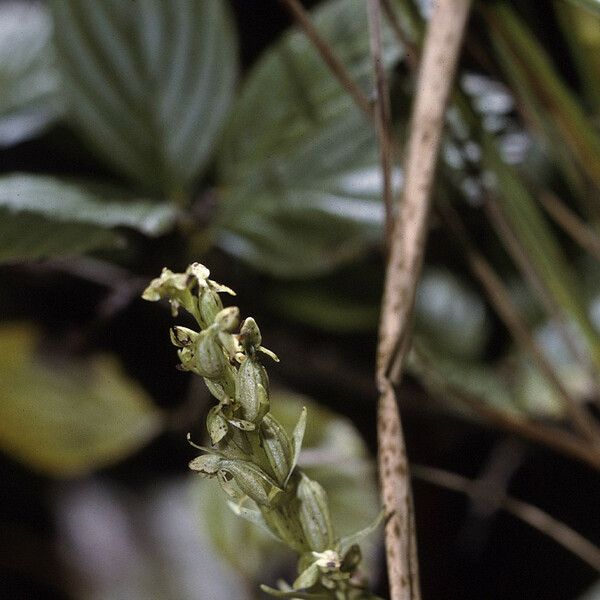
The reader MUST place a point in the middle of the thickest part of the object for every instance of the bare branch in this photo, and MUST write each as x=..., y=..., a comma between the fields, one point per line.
x=559, y=440
x=328, y=55
x=382, y=114
x=572, y=224
x=531, y=274
x=411, y=50
x=557, y=530
x=440, y=56
x=508, y=312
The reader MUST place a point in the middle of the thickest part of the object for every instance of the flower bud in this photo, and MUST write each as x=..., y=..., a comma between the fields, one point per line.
x=251, y=390
x=209, y=306
x=328, y=561
x=187, y=356
x=228, y=319
x=207, y=465
x=252, y=480
x=277, y=446
x=216, y=424
x=217, y=390
x=182, y=336
x=210, y=360
x=314, y=514
x=243, y=424
x=250, y=337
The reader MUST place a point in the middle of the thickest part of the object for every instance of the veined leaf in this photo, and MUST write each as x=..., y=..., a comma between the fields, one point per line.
x=299, y=163
x=71, y=418
x=148, y=83
x=28, y=235
x=44, y=216
x=28, y=79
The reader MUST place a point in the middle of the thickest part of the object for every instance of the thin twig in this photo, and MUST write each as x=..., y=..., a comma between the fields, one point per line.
x=440, y=56
x=382, y=114
x=328, y=55
x=532, y=515
x=559, y=440
x=500, y=299
x=572, y=224
x=411, y=50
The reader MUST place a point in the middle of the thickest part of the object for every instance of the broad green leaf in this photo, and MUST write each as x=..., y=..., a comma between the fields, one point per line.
x=299, y=174
x=69, y=418
x=62, y=201
x=44, y=216
x=148, y=83
x=28, y=80
x=27, y=235
x=539, y=87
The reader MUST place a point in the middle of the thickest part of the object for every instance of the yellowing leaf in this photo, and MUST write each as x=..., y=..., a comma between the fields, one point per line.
x=70, y=418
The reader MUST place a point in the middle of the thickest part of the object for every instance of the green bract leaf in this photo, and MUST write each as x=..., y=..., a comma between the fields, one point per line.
x=297, y=437
x=314, y=514
x=148, y=83
x=299, y=161
x=28, y=79
x=252, y=480
x=347, y=542
x=277, y=446
x=250, y=514
x=307, y=578
x=68, y=419
x=44, y=216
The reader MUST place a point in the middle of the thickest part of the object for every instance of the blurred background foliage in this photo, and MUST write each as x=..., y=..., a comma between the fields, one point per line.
x=137, y=135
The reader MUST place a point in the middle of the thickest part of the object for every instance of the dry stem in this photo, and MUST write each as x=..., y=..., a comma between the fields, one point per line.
x=559, y=440
x=508, y=312
x=532, y=515
x=584, y=235
x=440, y=56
